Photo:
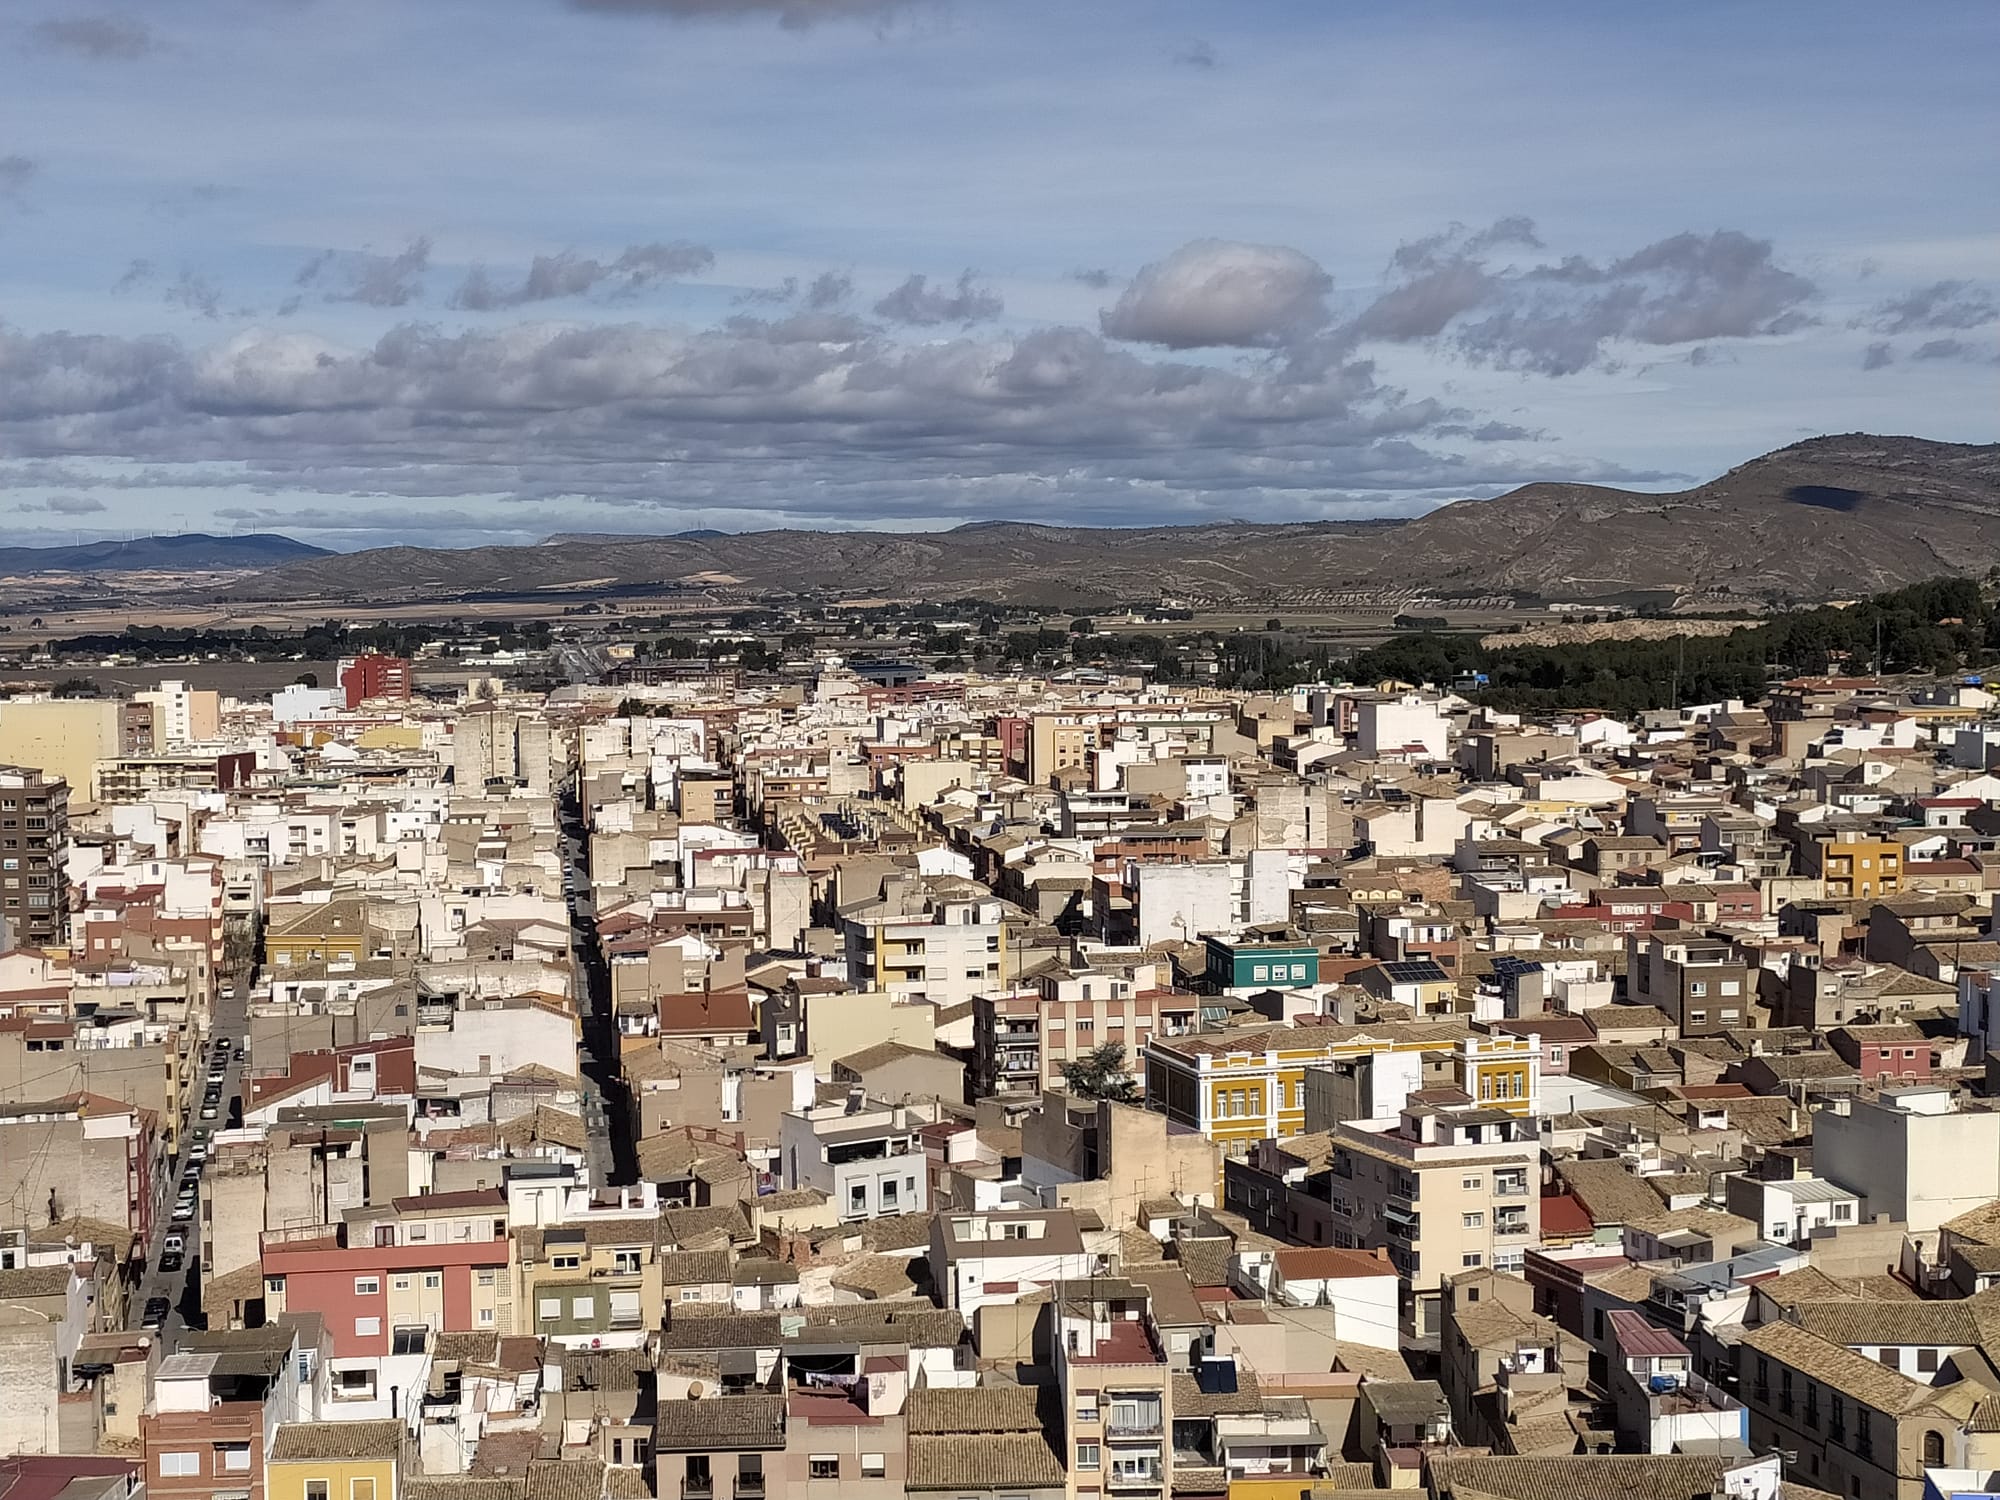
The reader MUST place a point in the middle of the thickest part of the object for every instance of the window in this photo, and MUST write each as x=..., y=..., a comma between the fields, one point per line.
x=179, y=1465
x=548, y=1309
x=367, y=1328
x=1933, y=1450
x=1889, y=1357
x=625, y=1262
x=564, y=1262
x=1470, y=1259
x=823, y=1466
x=1697, y=1018
x=690, y=1294
x=582, y=1308
x=1086, y=1406
x=317, y=1489
x=486, y=1317
x=433, y=1280
x=416, y=1234
x=1927, y=1361
x=361, y=1489
x=873, y=1466
x=1475, y=1221
x=400, y=1283
x=486, y=1277
x=367, y=1286
x=1472, y=1184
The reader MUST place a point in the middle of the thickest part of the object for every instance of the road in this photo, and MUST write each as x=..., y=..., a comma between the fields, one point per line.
x=581, y=663
x=182, y=1288
x=607, y=1115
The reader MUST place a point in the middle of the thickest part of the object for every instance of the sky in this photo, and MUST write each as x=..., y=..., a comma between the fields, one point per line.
x=455, y=272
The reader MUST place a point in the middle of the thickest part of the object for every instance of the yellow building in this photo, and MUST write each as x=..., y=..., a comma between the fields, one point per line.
x=1238, y=1088
x=1853, y=865
x=327, y=932
x=336, y=1461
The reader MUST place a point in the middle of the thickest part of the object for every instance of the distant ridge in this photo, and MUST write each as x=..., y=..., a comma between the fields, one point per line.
x=1821, y=519
x=186, y=550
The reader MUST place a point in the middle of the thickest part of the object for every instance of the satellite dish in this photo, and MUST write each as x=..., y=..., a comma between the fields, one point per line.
x=696, y=1390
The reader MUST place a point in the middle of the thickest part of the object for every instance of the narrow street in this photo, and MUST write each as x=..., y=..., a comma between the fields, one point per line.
x=606, y=1105
x=181, y=1287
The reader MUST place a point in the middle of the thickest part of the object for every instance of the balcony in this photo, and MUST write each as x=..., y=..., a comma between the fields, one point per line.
x=698, y=1489
x=749, y=1487
x=1504, y=1189
x=1146, y=1478
x=1144, y=1422
x=1510, y=1228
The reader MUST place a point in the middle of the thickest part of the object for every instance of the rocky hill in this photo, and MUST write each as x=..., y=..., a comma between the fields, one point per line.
x=1820, y=519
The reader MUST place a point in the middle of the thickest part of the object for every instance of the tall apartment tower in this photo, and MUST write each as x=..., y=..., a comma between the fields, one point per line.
x=34, y=822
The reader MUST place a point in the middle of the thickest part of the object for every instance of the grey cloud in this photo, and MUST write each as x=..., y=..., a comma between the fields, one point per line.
x=828, y=290
x=750, y=417
x=65, y=505
x=1095, y=277
x=367, y=278
x=103, y=38
x=195, y=292
x=551, y=277
x=1562, y=317
x=1943, y=306
x=16, y=172
x=792, y=14
x=921, y=305
x=784, y=291
x=1222, y=294
x=1877, y=356
x=1195, y=53
x=1946, y=349
x=138, y=272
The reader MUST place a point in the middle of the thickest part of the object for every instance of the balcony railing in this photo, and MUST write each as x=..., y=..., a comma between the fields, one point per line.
x=749, y=1487
x=697, y=1489
x=1144, y=1424
x=1510, y=1228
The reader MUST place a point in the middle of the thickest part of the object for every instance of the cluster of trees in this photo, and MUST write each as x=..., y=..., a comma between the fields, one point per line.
x=328, y=639
x=1934, y=628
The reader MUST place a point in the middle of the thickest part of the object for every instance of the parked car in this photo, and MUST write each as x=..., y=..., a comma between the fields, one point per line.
x=208, y=1109
x=155, y=1315
x=172, y=1261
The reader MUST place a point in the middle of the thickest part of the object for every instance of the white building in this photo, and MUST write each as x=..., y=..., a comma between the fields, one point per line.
x=1909, y=1154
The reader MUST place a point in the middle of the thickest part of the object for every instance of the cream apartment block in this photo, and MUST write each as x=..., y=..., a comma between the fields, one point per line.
x=1442, y=1191
x=941, y=946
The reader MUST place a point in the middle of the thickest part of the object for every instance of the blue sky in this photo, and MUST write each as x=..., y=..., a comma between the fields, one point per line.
x=484, y=270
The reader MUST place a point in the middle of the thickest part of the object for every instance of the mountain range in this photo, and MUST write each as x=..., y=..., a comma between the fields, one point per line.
x=1821, y=519
x=191, y=551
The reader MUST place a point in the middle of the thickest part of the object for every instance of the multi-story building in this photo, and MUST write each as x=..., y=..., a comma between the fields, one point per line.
x=1702, y=983
x=34, y=824
x=1241, y=1087
x=863, y=1154
x=1852, y=864
x=218, y=1405
x=1443, y=1190
x=945, y=944
x=385, y=1279
x=1021, y=1040
x=1117, y=1388
x=1262, y=961
x=997, y=1255
x=371, y=676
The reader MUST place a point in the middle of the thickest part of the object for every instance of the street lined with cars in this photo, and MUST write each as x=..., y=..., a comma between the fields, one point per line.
x=169, y=1293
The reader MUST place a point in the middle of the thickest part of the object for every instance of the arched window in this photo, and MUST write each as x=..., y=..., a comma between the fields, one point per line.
x=1933, y=1450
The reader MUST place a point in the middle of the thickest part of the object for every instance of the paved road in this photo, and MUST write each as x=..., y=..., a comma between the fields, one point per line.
x=606, y=1105
x=182, y=1288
